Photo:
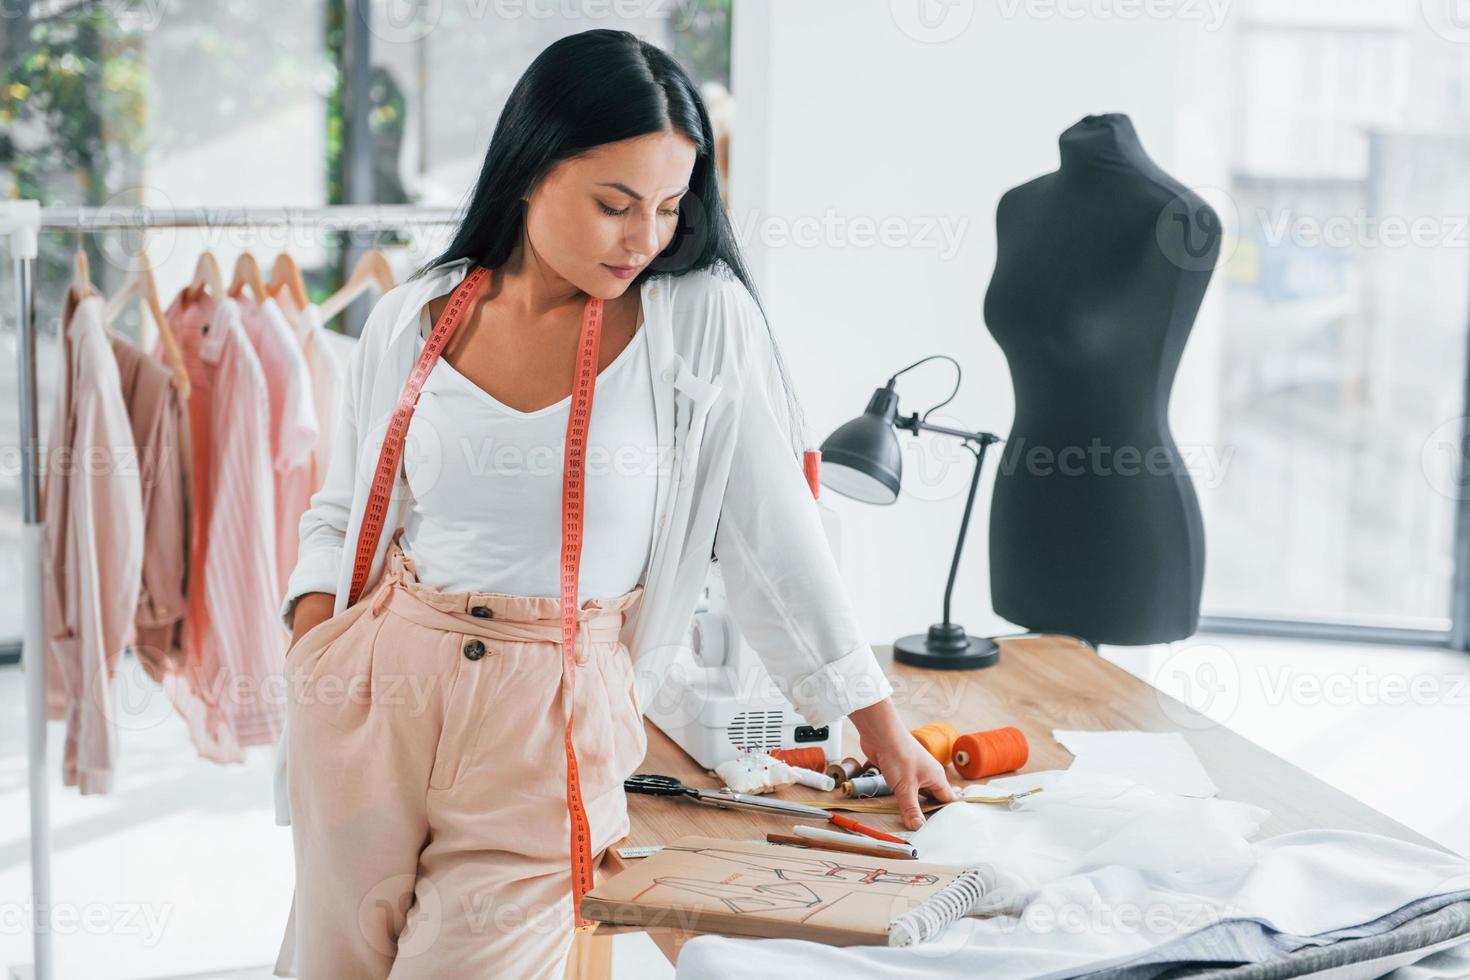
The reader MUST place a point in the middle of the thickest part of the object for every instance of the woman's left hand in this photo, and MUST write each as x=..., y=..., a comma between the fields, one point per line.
x=907, y=768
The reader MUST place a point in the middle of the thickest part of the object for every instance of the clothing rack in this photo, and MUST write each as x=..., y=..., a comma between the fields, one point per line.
x=21, y=222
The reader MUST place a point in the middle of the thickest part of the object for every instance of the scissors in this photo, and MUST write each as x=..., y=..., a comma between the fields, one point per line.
x=723, y=798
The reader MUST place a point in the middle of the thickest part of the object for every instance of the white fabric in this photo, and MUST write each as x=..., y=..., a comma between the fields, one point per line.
x=1102, y=870
x=486, y=483
x=729, y=481
x=759, y=772
x=1159, y=760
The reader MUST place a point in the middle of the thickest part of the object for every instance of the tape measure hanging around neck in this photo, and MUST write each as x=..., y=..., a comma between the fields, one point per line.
x=375, y=516
x=578, y=420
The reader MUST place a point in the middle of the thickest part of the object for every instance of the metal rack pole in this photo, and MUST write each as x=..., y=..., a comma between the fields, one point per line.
x=32, y=551
x=366, y=217
x=21, y=221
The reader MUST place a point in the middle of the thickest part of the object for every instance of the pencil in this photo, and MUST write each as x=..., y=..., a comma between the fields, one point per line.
x=843, y=837
x=822, y=845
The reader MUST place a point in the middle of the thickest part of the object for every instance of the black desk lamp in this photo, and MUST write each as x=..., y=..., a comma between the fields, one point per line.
x=861, y=459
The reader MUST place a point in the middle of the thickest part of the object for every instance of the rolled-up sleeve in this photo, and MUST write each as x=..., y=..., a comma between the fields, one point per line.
x=781, y=580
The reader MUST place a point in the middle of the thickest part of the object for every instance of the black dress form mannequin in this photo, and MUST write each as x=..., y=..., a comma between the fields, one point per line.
x=1095, y=529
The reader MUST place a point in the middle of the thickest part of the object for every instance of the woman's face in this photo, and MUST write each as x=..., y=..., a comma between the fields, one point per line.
x=599, y=219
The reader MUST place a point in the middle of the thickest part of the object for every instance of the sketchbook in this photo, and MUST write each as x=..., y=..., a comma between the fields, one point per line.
x=749, y=888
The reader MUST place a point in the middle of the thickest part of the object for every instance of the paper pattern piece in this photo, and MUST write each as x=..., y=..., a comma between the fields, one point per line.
x=1161, y=761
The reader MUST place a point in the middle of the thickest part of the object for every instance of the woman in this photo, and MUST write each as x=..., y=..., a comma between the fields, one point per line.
x=433, y=801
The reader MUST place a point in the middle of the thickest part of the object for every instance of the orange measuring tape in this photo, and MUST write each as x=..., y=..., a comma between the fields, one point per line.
x=375, y=517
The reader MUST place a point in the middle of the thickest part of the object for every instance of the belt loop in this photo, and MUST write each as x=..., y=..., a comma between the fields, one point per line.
x=385, y=591
x=586, y=625
x=392, y=579
x=406, y=563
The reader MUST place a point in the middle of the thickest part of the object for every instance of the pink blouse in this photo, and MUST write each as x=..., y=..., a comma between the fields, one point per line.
x=327, y=368
x=293, y=423
x=93, y=509
x=236, y=644
x=160, y=424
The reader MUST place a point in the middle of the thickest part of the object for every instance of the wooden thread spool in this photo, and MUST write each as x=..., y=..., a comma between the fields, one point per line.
x=845, y=770
x=811, y=758
x=981, y=754
x=938, y=740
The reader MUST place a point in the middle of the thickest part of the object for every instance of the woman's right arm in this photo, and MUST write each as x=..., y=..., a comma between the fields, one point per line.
x=311, y=590
x=324, y=524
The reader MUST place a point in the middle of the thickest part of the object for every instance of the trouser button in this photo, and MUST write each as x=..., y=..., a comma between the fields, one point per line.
x=475, y=649
x=483, y=612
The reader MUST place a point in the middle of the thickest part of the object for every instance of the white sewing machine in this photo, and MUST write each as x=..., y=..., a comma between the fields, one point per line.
x=717, y=696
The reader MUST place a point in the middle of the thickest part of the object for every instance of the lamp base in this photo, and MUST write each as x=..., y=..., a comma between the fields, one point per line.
x=946, y=647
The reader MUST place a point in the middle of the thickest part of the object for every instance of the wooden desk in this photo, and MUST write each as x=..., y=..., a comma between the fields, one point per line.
x=1039, y=684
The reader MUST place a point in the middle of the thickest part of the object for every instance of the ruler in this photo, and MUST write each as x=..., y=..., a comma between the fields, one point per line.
x=375, y=516
x=635, y=851
x=891, y=805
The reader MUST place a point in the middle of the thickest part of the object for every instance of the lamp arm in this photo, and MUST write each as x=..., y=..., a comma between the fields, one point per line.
x=976, y=442
x=915, y=424
x=959, y=545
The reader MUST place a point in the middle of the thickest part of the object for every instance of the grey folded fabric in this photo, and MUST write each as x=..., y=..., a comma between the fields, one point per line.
x=1243, y=949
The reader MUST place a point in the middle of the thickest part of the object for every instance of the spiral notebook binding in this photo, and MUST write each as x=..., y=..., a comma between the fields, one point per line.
x=951, y=903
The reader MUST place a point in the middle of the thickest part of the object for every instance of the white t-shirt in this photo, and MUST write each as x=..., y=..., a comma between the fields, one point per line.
x=486, y=484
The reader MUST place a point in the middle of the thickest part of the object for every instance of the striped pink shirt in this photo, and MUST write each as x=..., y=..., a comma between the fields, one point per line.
x=236, y=644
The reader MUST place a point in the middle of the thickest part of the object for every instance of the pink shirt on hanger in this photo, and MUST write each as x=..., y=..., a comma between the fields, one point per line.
x=159, y=419
x=327, y=369
x=293, y=422
x=93, y=511
x=236, y=644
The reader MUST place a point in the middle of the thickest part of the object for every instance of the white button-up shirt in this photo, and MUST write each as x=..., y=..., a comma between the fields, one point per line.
x=728, y=480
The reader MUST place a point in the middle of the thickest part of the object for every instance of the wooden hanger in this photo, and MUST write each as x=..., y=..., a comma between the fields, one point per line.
x=81, y=273
x=140, y=280
x=247, y=273
x=372, y=268
x=81, y=280
x=79, y=289
x=286, y=276
x=206, y=278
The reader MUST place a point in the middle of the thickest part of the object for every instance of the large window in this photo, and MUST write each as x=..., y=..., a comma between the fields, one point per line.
x=1345, y=312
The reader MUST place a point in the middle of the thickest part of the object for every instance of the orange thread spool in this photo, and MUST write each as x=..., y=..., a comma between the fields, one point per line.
x=810, y=758
x=981, y=754
x=938, y=740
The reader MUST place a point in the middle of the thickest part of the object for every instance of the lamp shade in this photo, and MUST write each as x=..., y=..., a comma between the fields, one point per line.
x=861, y=458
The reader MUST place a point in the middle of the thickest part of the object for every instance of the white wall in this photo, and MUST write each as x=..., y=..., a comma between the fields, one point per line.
x=843, y=110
